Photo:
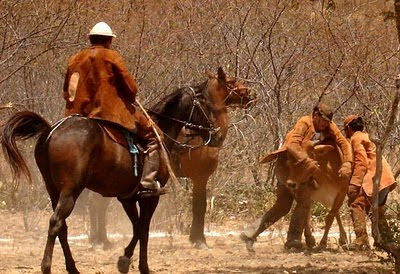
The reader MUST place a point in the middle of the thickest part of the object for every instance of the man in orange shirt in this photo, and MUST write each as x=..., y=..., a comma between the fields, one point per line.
x=316, y=127
x=98, y=85
x=361, y=183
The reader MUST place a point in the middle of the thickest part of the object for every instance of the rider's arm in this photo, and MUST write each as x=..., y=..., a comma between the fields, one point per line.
x=127, y=82
x=66, y=85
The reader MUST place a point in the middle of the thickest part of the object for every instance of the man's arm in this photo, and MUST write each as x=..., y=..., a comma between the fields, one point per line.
x=343, y=144
x=295, y=139
x=126, y=81
x=360, y=162
x=66, y=85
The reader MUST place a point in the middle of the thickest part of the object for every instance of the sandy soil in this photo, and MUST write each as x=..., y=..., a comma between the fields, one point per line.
x=21, y=252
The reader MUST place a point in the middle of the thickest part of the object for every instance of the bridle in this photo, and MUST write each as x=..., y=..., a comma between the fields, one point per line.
x=197, y=99
x=234, y=90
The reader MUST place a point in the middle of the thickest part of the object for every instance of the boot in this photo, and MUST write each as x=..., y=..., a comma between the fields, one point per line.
x=150, y=186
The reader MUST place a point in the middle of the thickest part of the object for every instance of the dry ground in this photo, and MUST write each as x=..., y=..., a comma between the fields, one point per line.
x=21, y=252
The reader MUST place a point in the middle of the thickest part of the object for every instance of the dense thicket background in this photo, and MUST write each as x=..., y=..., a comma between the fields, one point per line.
x=292, y=52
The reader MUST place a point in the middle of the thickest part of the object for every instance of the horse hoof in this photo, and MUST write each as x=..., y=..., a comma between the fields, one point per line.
x=322, y=245
x=123, y=264
x=343, y=242
x=201, y=245
x=296, y=244
x=249, y=242
x=310, y=242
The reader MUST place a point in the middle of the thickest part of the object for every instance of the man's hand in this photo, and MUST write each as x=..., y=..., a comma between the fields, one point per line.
x=345, y=170
x=352, y=193
x=311, y=165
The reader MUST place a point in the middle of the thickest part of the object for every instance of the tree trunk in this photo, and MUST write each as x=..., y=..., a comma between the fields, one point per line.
x=390, y=248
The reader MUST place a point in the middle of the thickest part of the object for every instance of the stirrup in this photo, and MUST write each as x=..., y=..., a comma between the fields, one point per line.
x=146, y=192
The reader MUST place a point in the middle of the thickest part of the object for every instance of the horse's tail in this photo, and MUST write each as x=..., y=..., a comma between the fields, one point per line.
x=22, y=125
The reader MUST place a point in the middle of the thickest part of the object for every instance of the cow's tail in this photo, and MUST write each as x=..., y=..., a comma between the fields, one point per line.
x=20, y=126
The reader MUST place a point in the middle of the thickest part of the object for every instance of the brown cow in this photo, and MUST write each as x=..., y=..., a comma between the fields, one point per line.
x=322, y=184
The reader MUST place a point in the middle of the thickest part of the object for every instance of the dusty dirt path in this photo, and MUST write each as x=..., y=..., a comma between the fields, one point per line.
x=21, y=252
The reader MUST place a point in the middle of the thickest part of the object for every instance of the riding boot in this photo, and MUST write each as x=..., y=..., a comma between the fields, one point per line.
x=150, y=168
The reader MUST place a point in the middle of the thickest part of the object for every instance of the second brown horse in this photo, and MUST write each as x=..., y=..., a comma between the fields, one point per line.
x=194, y=158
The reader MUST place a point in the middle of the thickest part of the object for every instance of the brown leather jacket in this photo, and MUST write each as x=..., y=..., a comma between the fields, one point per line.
x=304, y=131
x=98, y=85
x=364, y=151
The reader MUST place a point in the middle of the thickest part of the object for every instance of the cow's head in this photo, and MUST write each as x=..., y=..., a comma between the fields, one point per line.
x=300, y=167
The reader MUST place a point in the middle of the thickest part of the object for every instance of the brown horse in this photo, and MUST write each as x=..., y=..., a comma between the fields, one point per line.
x=198, y=162
x=195, y=158
x=77, y=154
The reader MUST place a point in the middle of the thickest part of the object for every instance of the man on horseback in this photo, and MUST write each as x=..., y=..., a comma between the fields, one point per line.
x=317, y=127
x=98, y=85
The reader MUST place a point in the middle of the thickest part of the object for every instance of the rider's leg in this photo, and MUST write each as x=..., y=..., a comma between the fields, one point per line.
x=151, y=164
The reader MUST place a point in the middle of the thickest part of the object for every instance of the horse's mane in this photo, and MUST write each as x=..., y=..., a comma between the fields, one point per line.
x=172, y=101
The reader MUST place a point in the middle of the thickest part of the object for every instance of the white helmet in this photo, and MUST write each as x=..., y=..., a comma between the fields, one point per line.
x=103, y=29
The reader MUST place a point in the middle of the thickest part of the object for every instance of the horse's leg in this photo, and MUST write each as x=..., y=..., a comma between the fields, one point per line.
x=199, y=210
x=63, y=206
x=337, y=203
x=147, y=208
x=93, y=221
x=97, y=210
x=102, y=222
x=130, y=210
x=310, y=240
x=69, y=260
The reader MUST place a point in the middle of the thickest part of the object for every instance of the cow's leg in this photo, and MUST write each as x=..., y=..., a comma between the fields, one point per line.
x=57, y=227
x=337, y=203
x=310, y=240
x=342, y=232
x=197, y=236
x=281, y=207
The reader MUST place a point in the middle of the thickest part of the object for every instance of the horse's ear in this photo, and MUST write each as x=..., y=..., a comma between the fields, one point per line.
x=221, y=74
x=210, y=75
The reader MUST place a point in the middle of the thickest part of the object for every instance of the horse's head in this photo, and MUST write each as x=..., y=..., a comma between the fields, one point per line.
x=201, y=117
x=188, y=107
x=312, y=164
x=231, y=91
